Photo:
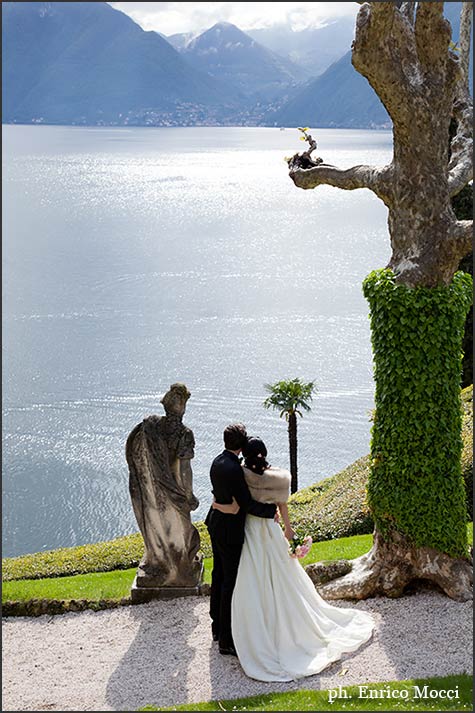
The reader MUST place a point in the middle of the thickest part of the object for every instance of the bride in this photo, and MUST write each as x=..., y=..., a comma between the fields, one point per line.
x=282, y=628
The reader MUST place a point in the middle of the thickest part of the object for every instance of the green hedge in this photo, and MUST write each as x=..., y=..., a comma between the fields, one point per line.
x=120, y=553
x=415, y=483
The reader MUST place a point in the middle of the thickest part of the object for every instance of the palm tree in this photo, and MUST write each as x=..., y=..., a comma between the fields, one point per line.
x=290, y=398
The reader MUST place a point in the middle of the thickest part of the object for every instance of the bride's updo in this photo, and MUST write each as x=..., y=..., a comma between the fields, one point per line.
x=255, y=453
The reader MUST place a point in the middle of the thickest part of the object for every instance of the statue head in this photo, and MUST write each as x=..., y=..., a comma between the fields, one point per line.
x=174, y=401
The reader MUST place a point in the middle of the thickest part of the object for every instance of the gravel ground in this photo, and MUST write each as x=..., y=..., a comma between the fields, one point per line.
x=162, y=653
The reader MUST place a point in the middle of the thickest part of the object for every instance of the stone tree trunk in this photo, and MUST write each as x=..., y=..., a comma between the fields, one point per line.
x=403, y=49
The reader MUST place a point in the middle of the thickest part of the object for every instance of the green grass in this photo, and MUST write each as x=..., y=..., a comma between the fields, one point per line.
x=342, y=548
x=93, y=586
x=115, y=585
x=305, y=700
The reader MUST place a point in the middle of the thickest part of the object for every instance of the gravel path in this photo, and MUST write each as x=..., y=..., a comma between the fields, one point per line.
x=162, y=653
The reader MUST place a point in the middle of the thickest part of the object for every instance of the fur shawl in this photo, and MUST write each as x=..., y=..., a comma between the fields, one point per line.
x=272, y=486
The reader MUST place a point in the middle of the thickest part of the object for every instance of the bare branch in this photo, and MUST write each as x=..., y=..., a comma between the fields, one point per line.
x=462, y=234
x=464, y=41
x=408, y=10
x=306, y=159
x=461, y=148
x=325, y=174
x=433, y=35
x=384, y=51
x=461, y=159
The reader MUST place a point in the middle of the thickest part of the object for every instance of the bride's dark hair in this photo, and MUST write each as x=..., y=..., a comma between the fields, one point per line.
x=255, y=453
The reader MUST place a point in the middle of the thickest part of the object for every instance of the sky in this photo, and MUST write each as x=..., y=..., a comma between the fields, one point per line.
x=172, y=17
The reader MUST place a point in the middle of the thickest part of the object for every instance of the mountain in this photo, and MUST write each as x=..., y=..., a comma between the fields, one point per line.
x=181, y=39
x=314, y=49
x=341, y=97
x=87, y=63
x=82, y=62
x=230, y=55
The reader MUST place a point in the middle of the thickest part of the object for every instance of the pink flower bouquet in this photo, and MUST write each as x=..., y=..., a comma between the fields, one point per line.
x=299, y=546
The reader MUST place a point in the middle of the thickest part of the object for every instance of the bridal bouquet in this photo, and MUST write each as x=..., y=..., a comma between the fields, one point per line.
x=299, y=546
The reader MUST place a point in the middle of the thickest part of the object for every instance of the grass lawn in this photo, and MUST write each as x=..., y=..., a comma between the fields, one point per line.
x=115, y=585
x=305, y=700
x=94, y=586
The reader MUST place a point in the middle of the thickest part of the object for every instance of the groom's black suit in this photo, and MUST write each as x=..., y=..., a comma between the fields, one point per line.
x=227, y=538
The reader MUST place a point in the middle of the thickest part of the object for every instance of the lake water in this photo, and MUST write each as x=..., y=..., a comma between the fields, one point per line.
x=134, y=258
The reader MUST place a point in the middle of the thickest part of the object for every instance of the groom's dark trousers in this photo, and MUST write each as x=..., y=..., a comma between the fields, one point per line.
x=227, y=538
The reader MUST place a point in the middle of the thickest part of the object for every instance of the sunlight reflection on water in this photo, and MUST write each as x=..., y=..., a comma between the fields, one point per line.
x=134, y=258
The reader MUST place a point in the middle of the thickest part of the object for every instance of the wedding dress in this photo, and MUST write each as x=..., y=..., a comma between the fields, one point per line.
x=282, y=628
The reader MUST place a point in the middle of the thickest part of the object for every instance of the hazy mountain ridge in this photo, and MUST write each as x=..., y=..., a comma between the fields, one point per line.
x=72, y=62
x=341, y=97
x=87, y=63
x=228, y=54
x=314, y=49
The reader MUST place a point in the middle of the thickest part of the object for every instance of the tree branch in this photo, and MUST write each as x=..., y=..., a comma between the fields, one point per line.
x=464, y=41
x=461, y=162
x=432, y=32
x=325, y=174
x=408, y=10
x=462, y=234
x=461, y=147
x=384, y=51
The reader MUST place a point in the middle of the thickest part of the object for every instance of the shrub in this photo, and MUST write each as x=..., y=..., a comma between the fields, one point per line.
x=121, y=553
x=335, y=507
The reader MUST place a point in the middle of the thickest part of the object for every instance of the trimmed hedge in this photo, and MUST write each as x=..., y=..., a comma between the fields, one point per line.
x=120, y=553
x=415, y=484
x=334, y=507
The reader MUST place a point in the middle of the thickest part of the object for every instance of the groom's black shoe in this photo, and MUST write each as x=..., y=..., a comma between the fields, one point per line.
x=227, y=651
x=215, y=637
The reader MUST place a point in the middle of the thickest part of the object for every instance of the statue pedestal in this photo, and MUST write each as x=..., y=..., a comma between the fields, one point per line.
x=146, y=588
x=140, y=595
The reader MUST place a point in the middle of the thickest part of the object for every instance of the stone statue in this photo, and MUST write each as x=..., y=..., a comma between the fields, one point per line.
x=159, y=452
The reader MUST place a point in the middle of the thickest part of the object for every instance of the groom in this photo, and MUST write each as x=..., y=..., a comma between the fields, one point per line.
x=227, y=531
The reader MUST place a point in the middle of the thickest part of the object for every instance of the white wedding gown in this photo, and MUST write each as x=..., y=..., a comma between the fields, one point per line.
x=282, y=628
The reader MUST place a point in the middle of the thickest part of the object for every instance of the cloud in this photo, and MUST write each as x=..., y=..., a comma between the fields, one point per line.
x=171, y=17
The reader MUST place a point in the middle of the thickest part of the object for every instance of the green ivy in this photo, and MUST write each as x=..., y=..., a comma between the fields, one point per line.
x=415, y=484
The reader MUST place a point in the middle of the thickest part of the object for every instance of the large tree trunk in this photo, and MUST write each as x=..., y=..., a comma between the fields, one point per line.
x=422, y=84
x=420, y=215
x=393, y=563
x=292, y=429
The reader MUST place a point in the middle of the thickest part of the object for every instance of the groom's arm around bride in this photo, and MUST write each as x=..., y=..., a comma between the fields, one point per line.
x=227, y=531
